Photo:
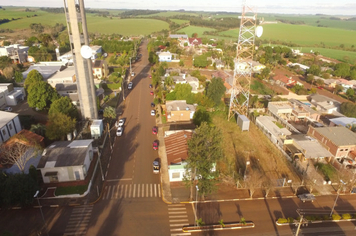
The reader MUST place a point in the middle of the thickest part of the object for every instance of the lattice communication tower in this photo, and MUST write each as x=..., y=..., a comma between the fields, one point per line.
x=243, y=62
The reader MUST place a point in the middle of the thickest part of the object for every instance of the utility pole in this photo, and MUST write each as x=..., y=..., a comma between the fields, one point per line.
x=300, y=223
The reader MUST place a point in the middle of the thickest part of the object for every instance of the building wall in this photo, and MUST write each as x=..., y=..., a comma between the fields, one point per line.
x=10, y=129
x=64, y=174
x=2, y=99
x=176, y=175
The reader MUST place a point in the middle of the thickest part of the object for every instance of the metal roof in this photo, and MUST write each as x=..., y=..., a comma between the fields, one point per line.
x=339, y=135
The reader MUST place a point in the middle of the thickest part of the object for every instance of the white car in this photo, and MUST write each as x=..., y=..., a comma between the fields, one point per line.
x=121, y=122
x=129, y=86
x=7, y=109
x=153, y=112
x=119, y=131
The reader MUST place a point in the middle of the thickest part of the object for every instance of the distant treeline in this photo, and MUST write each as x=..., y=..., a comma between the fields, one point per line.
x=138, y=12
x=2, y=21
x=293, y=22
x=52, y=10
x=220, y=23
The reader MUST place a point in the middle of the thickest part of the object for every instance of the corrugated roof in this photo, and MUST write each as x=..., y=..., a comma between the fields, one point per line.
x=339, y=135
x=177, y=147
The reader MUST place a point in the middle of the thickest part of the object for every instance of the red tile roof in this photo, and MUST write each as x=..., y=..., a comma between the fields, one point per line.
x=195, y=41
x=177, y=147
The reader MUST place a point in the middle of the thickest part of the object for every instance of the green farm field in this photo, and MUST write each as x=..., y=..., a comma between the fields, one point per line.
x=179, y=22
x=171, y=13
x=340, y=55
x=195, y=29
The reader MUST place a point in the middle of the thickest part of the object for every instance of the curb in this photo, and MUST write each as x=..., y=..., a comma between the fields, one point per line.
x=316, y=222
x=239, y=199
x=220, y=228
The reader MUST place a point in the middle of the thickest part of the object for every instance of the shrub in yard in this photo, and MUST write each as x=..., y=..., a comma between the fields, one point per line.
x=282, y=220
x=311, y=218
x=318, y=218
x=290, y=219
x=326, y=217
x=346, y=216
x=336, y=217
x=354, y=216
x=243, y=221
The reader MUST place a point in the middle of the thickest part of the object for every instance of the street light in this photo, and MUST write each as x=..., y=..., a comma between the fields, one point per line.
x=44, y=222
x=196, y=203
x=338, y=193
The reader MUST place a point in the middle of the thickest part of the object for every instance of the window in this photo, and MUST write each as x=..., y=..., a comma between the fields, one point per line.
x=341, y=150
x=175, y=175
x=3, y=132
x=77, y=175
x=10, y=126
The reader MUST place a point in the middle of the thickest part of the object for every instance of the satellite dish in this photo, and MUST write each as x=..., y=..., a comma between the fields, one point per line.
x=259, y=31
x=85, y=51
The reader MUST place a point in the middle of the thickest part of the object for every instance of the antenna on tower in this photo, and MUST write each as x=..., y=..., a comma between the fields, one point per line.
x=240, y=94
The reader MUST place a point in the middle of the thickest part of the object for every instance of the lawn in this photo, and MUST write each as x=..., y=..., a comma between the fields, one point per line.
x=263, y=155
x=329, y=172
x=308, y=35
x=340, y=55
x=71, y=190
x=234, y=33
x=195, y=29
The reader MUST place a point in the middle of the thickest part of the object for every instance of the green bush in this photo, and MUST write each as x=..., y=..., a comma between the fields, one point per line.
x=114, y=86
x=326, y=217
x=310, y=218
x=290, y=219
x=354, y=216
x=346, y=216
x=282, y=220
x=336, y=217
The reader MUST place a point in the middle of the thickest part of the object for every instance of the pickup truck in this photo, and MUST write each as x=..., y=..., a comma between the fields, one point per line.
x=306, y=197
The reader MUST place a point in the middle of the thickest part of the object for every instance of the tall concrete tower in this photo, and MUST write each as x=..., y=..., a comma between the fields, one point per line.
x=79, y=41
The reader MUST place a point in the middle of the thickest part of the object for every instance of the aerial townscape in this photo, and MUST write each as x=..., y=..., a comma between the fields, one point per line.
x=137, y=121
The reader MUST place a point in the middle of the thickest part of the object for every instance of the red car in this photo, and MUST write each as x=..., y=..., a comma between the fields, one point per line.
x=154, y=130
x=151, y=92
x=155, y=145
x=150, y=76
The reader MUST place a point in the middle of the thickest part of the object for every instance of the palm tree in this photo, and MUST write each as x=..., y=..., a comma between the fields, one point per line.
x=39, y=129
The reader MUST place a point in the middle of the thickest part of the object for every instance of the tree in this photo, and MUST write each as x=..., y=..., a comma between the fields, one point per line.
x=39, y=129
x=216, y=90
x=348, y=109
x=314, y=70
x=152, y=58
x=338, y=88
x=109, y=113
x=18, y=151
x=41, y=95
x=18, y=76
x=265, y=73
x=168, y=82
x=310, y=79
x=59, y=125
x=204, y=151
x=342, y=70
x=63, y=105
x=201, y=61
x=350, y=92
x=253, y=181
x=353, y=74
x=200, y=116
x=32, y=77
x=181, y=63
x=5, y=61
x=8, y=72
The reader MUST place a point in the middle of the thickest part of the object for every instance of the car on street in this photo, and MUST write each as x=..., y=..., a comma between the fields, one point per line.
x=306, y=197
x=155, y=145
x=7, y=109
x=153, y=112
x=151, y=93
x=151, y=86
x=132, y=73
x=153, y=104
x=129, y=86
x=121, y=122
x=156, y=167
x=150, y=76
x=154, y=130
x=119, y=131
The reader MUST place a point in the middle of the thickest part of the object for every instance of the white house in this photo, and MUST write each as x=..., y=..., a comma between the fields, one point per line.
x=165, y=56
x=9, y=125
x=16, y=52
x=46, y=69
x=66, y=76
x=65, y=161
x=10, y=95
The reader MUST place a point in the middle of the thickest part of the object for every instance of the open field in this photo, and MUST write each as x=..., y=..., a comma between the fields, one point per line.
x=340, y=55
x=171, y=13
x=263, y=155
x=234, y=33
x=42, y=17
x=195, y=29
x=179, y=22
x=309, y=35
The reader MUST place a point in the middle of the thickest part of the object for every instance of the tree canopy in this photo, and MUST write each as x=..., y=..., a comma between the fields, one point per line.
x=348, y=109
x=216, y=90
x=59, y=125
x=63, y=105
x=41, y=95
x=109, y=113
x=33, y=77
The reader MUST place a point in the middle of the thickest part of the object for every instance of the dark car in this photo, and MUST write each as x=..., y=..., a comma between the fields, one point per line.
x=153, y=104
x=101, y=111
x=151, y=86
x=156, y=167
x=154, y=130
x=155, y=145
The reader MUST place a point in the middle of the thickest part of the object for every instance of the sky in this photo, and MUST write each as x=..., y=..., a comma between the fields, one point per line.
x=330, y=7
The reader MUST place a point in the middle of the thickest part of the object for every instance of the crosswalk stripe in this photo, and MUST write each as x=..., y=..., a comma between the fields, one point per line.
x=154, y=186
x=181, y=216
x=151, y=190
x=113, y=192
x=176, y=205
x=177, y=212
x=159, y=190
x=181, y=220
x=181, y=234
x=134, y=190
x=177, y=208
x=143, y=190
x=130, y=190
x=108, y=193
x=177, y=225
x=138, y=190
x=179, y=229
x=147, y=190
x=121, y=190
x=117, y=192
x=125, y=190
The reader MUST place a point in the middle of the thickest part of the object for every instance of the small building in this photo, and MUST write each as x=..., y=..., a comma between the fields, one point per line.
x=324, y=104
x=45, y=69
x=301, y=66
x=100, y=69
x=97, y=128
x=65, y=161
x=273, y=130
x=10, y=95
x=194, y=42
x=178, y=36
x=68, y=90
x=243, y=122
x=165, y=56
x=179, y=110
x=177, y=152
x=343, y=121
x=66, y=76
x=9, y=125
x=16, y=52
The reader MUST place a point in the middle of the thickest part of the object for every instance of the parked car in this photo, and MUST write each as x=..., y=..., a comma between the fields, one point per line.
x=156, y=167
x=132, y=73
x=129, y=86
x=151, y=93
x=119, y=131
x=154, y=130
x=306, y=197
x=121, y=122
x=7, y=109
x=151, y=86
x=155, y=145
x=153, y=104
x=153, y=112
x=101, y=111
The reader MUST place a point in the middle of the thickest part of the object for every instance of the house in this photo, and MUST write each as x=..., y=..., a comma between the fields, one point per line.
x=343, y=121
x=194, y=82
x=271, y=127
x=219, y=64
x=346, y=84
x=165, y=56
x=179, y=110
x=338, y=140
x=194, y=42
x=304, y=112
x=301, y=66
x=10, y=95
x=177, y=152
x=100, y=69
x=66, y=76
x=95, y=50
x=68, y=90
x=46, y=69
x=68, y=57
x=330, y=83
x=227, y=78
x=178, y=36
x=284, y=80
x=65, y=161
x=324, y=104
x=16, y=52
x=304, y=147
x=255, y=66
x=33, y=144
x=9, y=125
